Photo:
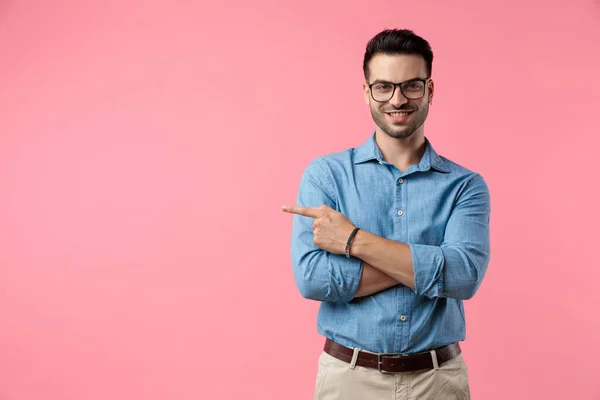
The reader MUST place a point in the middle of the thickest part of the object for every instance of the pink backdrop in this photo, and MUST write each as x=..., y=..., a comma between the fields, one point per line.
x=146, y=148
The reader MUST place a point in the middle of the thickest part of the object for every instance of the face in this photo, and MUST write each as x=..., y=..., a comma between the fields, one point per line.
x=399, y=117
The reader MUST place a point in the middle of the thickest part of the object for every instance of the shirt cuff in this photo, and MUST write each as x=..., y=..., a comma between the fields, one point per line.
x=428, y=266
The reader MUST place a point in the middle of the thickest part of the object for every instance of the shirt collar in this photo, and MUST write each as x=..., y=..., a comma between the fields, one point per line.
x=369, y=151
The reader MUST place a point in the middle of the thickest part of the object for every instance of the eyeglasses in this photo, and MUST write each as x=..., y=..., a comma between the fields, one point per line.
x=412, y=89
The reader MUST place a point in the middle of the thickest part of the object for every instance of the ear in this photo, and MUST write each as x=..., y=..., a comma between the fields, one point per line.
x=431, y=87
x=367, y=93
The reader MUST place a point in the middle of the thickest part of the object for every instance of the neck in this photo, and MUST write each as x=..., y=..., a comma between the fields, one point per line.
x=401, y=152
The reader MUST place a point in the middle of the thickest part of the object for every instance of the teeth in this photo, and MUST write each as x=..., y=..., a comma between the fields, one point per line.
x=399, y=114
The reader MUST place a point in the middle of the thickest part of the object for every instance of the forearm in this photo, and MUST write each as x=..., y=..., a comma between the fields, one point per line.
x=373, y=281
x=386, y=256
x=442, y=271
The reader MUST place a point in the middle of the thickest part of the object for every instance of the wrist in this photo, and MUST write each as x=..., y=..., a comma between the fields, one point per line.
x=358, y=243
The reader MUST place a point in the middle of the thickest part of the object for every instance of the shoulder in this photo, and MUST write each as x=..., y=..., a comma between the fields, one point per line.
x=471, y=187
x=329, y=165
x=467, y=179
x=458, y=170
x=324, y=171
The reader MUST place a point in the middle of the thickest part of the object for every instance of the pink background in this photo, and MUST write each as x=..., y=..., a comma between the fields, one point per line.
x=146, y=148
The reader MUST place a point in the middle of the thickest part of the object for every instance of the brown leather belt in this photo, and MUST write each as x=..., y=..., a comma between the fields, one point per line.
x=392, y=363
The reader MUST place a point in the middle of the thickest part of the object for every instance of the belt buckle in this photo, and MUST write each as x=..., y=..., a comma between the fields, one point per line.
x=379, y=362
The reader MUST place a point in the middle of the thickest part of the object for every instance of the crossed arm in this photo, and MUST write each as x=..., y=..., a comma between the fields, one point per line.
x=454, y=269
x=373, y=280
x=383, y=263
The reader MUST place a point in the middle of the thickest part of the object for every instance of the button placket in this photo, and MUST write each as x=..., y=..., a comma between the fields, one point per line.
x=400, y=181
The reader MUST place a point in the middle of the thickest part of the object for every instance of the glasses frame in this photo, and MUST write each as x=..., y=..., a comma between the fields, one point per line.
x=425, y=81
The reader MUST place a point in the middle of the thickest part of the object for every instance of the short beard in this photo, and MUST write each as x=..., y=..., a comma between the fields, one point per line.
x=407, y=131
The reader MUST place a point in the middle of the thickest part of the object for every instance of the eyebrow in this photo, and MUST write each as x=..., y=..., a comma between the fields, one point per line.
x=408, y=80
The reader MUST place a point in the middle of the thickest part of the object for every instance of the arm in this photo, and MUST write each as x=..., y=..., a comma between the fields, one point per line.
x=456, y=268
x=319, y=274
x=373, y=281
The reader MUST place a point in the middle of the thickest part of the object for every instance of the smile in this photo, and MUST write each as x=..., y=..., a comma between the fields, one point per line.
x=399, y=114
x=398, y=117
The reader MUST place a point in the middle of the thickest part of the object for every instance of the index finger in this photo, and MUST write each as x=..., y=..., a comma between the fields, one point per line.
x=304, y=211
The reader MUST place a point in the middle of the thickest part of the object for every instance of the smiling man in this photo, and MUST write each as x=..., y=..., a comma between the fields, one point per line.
x=391, y=238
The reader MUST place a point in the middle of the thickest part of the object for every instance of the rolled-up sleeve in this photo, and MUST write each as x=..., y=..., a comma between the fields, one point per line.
x=457, y=267
x=320, y=275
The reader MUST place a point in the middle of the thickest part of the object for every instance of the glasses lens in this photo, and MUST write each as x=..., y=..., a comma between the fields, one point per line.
x=382, y=91
x=413, y=89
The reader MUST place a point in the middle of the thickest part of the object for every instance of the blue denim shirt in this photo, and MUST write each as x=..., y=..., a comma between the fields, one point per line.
x=445, y=221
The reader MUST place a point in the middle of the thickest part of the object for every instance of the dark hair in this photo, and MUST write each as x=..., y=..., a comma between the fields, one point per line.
x=397, y=41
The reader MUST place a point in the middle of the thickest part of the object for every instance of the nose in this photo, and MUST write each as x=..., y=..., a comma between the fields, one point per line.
x=398, y=98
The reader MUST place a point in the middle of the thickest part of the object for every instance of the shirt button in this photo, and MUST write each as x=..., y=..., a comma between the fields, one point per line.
x=400, y=180
x=403, y=318
x=400, y=212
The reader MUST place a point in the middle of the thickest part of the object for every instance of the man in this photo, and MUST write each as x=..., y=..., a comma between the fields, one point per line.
x=391, y=237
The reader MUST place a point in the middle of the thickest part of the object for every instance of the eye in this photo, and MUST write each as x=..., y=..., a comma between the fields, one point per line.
x=383, y=86
x=414, y=86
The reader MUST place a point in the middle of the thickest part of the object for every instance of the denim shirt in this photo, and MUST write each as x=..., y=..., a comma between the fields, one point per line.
x=440, y=209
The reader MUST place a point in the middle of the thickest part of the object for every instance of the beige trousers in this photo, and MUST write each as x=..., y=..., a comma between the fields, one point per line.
x=336, y=380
